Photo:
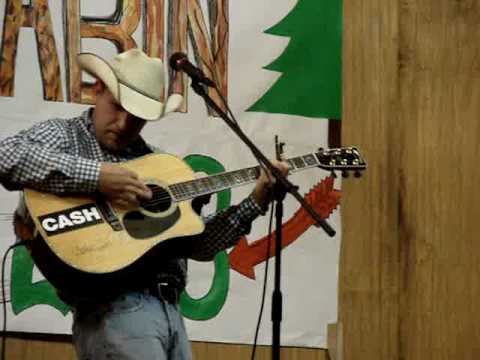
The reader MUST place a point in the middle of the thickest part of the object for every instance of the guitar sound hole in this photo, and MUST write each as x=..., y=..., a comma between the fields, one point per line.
x=160, y=201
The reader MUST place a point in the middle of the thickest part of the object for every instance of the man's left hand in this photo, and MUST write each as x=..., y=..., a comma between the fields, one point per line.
x=265, y=182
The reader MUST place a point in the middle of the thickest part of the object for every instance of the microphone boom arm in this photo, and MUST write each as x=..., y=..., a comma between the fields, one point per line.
x=288, y=186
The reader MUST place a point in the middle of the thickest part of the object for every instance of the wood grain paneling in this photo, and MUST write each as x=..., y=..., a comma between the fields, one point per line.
x=439, y=108
x=28, y=349
x=369, y=270
x=409, y=277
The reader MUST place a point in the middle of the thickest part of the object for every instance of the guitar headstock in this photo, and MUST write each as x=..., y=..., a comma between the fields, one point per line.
x=344, y=159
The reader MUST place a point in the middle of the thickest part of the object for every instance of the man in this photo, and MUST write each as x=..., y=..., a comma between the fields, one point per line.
x=81, y=156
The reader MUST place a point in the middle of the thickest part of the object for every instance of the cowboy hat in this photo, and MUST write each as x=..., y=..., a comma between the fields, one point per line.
x=135, y=80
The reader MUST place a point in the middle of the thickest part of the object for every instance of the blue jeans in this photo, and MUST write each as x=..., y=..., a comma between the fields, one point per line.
x=135, y=326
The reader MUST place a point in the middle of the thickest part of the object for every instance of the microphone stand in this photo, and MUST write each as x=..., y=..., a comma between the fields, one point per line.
x=282, y=186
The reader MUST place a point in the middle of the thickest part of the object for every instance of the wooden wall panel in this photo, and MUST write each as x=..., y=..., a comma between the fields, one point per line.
x=369, y=269
x=440, y=105
x=409, y=273
x=28, y=349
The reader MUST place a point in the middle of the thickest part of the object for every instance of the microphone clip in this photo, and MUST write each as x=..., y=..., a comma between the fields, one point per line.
x=179, y=62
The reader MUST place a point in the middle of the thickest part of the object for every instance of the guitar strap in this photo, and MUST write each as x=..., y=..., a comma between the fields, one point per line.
x=23, y=225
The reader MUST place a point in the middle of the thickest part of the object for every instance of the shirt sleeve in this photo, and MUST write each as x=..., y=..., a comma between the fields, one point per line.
x=224, y=229
x=38, y=158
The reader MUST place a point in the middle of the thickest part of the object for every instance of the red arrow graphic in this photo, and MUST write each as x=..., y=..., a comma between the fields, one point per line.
x=323, y=198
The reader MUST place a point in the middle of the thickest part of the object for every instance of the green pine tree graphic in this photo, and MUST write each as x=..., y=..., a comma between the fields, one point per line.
x=310, y=84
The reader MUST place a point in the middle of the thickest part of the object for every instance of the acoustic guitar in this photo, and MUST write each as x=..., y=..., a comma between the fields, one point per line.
x=86, y=244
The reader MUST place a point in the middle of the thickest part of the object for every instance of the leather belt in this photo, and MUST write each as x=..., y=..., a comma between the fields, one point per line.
x=164, y=291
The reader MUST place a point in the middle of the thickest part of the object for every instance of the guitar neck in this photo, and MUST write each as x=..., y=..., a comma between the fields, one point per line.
x=215, y=183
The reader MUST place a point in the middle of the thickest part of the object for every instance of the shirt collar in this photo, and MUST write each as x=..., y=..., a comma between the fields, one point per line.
x=138, y=148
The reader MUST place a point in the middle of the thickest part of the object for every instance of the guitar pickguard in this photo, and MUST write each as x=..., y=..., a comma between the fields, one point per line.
x=140, y=226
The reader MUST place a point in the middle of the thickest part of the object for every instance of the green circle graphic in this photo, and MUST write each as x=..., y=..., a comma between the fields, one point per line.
x=208, y=306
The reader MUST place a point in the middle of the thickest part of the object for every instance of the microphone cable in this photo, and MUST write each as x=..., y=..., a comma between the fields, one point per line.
x=264, y=290
x=4, y=301
x=262, y=165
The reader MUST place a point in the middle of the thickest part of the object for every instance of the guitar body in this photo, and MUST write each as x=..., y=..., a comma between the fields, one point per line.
x=90, y=238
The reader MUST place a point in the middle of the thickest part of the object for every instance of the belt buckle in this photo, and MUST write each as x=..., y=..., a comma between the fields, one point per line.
x=167, y=292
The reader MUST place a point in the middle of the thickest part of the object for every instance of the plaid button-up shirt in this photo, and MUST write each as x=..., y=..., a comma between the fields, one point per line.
x=63, y=156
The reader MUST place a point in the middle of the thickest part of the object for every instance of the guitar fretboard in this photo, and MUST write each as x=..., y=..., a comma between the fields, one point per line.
x=215, y=183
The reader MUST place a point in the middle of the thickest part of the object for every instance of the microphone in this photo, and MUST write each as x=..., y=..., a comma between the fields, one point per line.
x=179, y=62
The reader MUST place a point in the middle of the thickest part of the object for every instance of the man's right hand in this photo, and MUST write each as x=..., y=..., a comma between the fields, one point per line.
x=122, y=186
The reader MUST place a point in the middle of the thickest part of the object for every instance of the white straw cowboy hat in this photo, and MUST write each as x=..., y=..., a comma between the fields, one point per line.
x=135, y=80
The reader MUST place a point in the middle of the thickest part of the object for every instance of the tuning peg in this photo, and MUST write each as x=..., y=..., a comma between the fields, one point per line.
x=345, y=174
x=357, y=173
x=333, y=174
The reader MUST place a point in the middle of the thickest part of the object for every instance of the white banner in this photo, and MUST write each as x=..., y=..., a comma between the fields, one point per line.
x=270, y=76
